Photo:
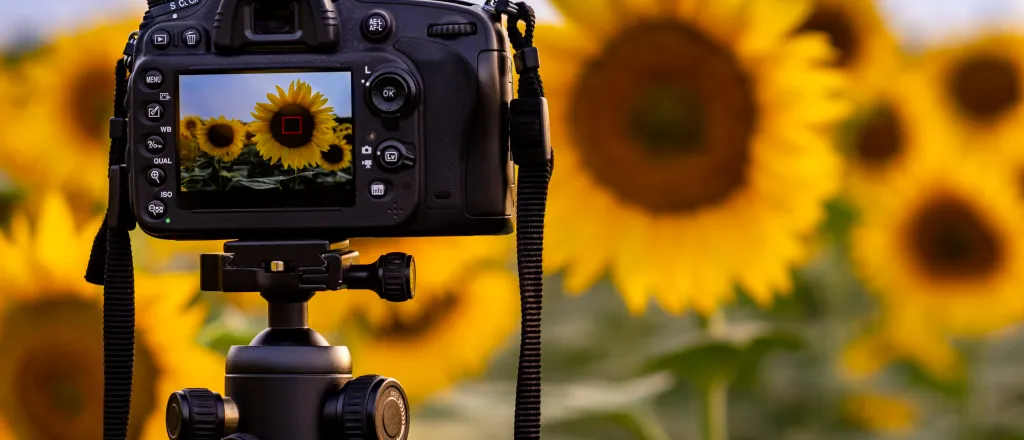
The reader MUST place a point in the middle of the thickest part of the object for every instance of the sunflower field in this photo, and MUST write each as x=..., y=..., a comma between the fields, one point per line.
x=769, y=220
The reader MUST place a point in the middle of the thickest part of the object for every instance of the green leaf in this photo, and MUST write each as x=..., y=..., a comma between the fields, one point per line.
x=256, y=183
x=707, y=359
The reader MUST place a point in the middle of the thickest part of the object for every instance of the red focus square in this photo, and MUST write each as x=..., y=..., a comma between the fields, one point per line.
x=291, y=125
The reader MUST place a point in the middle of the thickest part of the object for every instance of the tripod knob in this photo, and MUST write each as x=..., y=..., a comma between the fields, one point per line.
x=368, y=408
x=392, y=277
x=200, y=414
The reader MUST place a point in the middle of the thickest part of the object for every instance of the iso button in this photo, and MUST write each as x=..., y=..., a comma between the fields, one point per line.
x=156, y=210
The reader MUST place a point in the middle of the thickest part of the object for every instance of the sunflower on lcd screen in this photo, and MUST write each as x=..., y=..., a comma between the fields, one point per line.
x=266, y=131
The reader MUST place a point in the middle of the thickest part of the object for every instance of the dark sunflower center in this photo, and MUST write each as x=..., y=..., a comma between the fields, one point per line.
x=92, y=103
x=292, y=126
x=839, y=27
x=335, y=154
x=663, y=118
x=437, y=310
x=51, y=380
x=880, y=139
x=985, y=87
x=221, y=135
x=950, y=240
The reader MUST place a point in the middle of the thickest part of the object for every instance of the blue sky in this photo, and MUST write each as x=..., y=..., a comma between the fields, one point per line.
x=235, y=96
x=918, y=22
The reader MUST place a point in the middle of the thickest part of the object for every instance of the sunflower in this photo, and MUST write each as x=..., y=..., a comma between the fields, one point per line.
x=977, y=88
x=896, y=129
x=447, y=333
x=867, y=48
x=901, y=336
x=882, y=413
x=221, y=138
x=944, y=240
x=51, y=335
x=190, y=126
x=73, y=82
x=188, y=151
x=304, y=113
x=692, y=148
x=464, y=311
x=339, y=156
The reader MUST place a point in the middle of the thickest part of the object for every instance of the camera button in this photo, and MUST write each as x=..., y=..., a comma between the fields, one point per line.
x=154, y=79
x=376, y=26
x=378, y=190
x=156, y=177
x=389, y=93
x=156, y=210
x=392, y=156
x=191, y=37
x=161, y=39
x=154, y=112
x=155, y=145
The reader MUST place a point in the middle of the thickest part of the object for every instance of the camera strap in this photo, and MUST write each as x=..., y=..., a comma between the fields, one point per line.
x=110, y=265
x=530, y=139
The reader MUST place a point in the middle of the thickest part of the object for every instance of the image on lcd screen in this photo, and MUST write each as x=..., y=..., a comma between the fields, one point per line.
x=266, y=139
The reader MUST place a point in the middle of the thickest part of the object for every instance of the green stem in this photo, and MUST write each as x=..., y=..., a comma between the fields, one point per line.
x=649, y=426
x=716, y=410
x=716, y=394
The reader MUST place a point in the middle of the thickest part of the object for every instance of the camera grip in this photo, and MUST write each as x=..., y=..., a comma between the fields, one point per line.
x=448, y=107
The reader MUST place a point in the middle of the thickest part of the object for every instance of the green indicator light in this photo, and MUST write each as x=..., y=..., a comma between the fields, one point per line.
x=167, y=220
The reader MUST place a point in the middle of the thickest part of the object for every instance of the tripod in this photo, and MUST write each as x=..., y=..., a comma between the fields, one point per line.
x=289, y=383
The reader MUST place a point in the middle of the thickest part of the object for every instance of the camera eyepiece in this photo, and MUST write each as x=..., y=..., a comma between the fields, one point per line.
x=275, y=17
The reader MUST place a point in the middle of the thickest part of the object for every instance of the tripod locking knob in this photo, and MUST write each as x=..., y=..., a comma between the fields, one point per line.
x=200, y=414
x=392, y=277
x=368, y=408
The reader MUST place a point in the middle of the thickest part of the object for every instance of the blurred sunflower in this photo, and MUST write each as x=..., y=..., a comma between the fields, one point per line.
x=943, y=240
x=464, y=311
x=690, y=180
x=339, y=156
x=51, y=379
x=221, y=138
x=894, y=130
x=977, y=88
x=313, y=126
x=188, y=151
x=73, y=80
x=882, y=413
x=190, y=126
x=447, y=333
x=866, y=46
x=902, y=335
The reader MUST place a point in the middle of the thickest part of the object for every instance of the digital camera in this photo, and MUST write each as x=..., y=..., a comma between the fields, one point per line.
x=317, y=119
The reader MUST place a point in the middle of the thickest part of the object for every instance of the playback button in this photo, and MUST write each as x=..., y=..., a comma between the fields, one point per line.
x=156, y=210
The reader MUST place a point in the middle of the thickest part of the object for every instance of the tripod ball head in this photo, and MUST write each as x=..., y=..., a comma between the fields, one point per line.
x=368, y=408
x=200, y=414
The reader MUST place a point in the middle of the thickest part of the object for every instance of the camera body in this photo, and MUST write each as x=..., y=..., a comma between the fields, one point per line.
x=298, y=119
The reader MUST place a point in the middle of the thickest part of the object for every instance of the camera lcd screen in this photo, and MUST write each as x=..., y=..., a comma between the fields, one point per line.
x=265, y=140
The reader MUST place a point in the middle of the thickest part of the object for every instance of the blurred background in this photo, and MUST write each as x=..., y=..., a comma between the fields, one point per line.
x=770, y=219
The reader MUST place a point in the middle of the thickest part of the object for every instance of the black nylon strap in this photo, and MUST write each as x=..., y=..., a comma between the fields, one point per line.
x=110, y=264
x=532, y=153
